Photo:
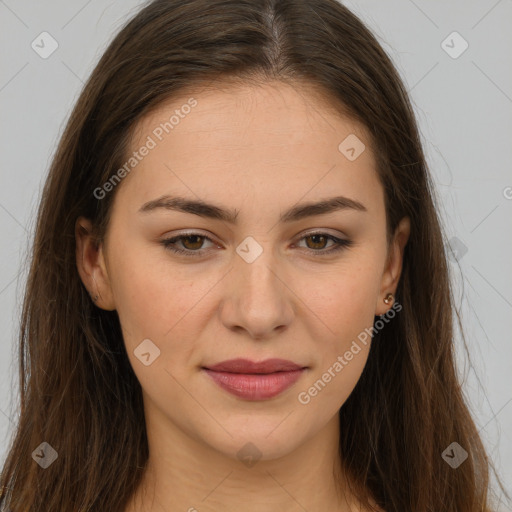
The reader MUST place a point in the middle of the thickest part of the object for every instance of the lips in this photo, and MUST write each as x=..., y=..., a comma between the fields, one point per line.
x=252, y=380
x=246, y=366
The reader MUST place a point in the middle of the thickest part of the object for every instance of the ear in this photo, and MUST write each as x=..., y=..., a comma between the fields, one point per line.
x=90, y=261
x=393, y=268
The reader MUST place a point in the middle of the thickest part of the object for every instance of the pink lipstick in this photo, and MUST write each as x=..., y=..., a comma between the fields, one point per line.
x=255, y=380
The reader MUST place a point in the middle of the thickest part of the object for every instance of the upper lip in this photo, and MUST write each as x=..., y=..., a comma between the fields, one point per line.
x=247, y=366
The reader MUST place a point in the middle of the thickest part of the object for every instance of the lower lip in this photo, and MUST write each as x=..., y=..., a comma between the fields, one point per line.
x=255, y=386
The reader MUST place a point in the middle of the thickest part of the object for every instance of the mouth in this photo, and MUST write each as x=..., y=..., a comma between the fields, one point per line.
x=255, y=380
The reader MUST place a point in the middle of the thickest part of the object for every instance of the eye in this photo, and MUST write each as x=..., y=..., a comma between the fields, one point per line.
x=192, y=243
x=316, y=242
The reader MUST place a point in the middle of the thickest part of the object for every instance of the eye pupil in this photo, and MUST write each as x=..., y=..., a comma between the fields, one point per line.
x=198, y=243
x=317, y=239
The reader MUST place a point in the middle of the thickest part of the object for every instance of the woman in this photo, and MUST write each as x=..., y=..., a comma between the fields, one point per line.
x=239, y=297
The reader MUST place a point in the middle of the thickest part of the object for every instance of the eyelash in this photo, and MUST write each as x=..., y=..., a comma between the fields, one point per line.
x=340, y=244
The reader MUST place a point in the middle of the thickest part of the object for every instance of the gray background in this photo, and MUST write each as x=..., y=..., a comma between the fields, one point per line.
x=464, y=108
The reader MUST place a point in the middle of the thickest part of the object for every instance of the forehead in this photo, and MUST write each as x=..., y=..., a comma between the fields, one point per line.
x=279, y=141
x=263, y=109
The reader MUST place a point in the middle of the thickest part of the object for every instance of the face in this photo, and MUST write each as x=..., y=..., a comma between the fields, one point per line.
x=255, y=276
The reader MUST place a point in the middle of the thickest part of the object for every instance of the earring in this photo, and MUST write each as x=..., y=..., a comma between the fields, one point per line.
x=95, y=298
x=388, y=298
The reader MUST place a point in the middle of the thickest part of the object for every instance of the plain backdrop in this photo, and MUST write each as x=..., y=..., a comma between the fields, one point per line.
x=461, y=88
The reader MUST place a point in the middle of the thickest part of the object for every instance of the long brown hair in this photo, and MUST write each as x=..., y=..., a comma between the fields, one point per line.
x=78, y=391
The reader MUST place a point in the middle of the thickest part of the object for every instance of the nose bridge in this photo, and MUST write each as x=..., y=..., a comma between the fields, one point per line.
x=256, y=269
x=258, y=298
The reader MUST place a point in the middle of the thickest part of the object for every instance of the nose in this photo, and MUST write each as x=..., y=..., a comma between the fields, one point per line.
x=258, y=299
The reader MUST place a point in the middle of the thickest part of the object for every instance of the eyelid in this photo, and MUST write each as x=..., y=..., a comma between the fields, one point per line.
x=321, y=231
x=205, y=234
x=191, y=232
x=167, y=242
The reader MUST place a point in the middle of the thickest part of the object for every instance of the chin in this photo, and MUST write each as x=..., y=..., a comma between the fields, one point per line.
x=259, y=439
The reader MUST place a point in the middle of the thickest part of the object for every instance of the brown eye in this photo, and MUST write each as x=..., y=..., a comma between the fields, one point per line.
x=316, y=244
x=318, y=241
x=187, y=244
x=192, y=242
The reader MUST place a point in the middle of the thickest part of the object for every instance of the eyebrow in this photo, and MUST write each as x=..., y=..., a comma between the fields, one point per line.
x=295, y=213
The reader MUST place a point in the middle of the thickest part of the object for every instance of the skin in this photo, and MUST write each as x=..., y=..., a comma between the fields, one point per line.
x=259, y=150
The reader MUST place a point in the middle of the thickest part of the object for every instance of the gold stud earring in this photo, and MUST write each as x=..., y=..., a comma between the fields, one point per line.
x=388, y=298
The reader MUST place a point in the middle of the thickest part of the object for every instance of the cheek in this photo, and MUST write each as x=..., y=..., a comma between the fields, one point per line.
x=159, y=308
x=333, y=380
x=343, y=300
x=150, y=295
x=345, y=303
x=155, y=301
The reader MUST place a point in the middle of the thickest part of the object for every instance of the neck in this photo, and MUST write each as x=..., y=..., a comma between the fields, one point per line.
x=184, y=474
